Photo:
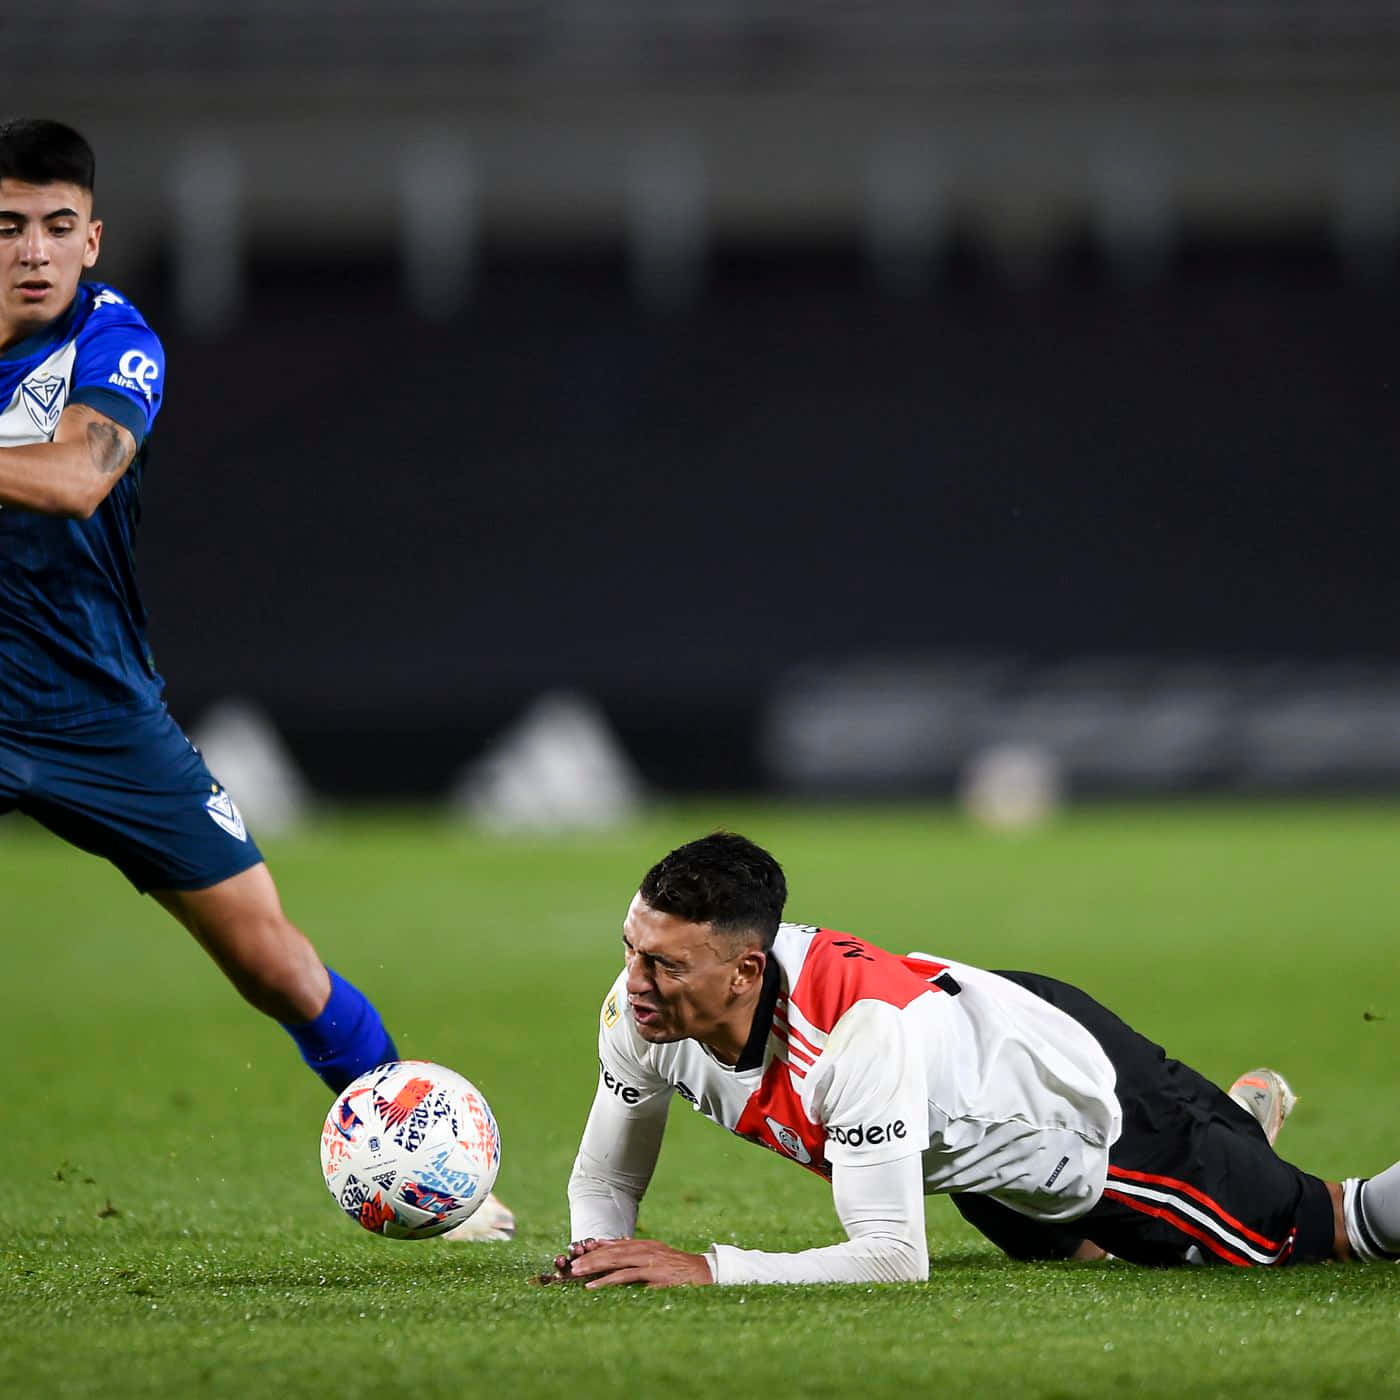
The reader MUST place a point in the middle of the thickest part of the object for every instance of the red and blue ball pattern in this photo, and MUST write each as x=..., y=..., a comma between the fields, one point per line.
x=410, y=1149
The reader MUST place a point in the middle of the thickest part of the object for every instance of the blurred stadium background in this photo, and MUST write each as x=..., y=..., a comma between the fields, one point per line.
x=827, y=394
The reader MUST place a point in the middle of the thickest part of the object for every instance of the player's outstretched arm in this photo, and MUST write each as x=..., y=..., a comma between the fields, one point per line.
x=73, y=474
x=881, y=1207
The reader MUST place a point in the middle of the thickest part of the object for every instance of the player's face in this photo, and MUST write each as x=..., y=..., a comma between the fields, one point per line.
x=684, y=981
x=47, y=237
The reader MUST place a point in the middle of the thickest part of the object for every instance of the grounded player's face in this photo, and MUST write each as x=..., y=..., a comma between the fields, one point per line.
x=684, y=982
x=47, y=237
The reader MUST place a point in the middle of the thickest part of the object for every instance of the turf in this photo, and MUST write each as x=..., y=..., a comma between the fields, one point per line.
x=165, y=1231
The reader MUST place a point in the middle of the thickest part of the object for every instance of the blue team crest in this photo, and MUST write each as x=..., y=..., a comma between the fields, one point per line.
x=223, y=813
x=44, y=397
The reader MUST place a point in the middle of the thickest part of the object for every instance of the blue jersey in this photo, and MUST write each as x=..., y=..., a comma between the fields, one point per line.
x=72, y=624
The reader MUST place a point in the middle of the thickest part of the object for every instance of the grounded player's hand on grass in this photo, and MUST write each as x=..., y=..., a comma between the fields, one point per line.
x=563, y=1263
x=599, y=1263
x=650, y=1262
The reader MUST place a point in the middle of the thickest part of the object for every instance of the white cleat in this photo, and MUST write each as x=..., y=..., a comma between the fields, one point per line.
x=1265, y=1095
x=492, y=1220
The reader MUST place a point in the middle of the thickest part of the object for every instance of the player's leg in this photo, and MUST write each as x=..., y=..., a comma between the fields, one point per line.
x=135, y=791
x=1018, y=1235
x=138, y=793
x=1192, y=1178
x=240, y=923
x=1368, y=1216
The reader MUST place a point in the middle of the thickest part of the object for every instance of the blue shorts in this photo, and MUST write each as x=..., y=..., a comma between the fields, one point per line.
x=131, y=788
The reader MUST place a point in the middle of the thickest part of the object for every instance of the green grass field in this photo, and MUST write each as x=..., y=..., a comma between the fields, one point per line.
x=165, y=1231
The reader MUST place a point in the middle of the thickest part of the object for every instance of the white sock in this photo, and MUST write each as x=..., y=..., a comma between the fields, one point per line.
x=1371, y=1212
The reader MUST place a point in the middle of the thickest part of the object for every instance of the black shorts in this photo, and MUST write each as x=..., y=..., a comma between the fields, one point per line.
x=1192, y=1178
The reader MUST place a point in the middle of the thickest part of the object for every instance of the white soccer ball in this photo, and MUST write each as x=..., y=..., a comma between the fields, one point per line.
x=410, y=1149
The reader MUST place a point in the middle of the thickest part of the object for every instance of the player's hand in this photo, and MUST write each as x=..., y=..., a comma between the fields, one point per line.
x=600, y=1263
x=563, y=1263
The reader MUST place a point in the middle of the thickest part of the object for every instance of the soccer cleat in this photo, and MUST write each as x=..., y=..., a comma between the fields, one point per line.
x=492, y=1220
x=1264, y=1094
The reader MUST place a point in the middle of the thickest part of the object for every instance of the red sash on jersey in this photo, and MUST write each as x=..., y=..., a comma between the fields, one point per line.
x=773, y=1118
x=838, y=971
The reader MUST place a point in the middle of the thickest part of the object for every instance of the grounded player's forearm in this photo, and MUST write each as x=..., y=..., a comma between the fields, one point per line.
x=881, y=1207
x=616, y=1157
x=604, y=1194
x=600, y=1209
x=889, y=1259
x=71, y=475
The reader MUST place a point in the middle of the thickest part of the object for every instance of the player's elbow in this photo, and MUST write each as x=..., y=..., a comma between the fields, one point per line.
x=88, y=493
x=914, y=1269
x=908, y=1261
x=65, y=481
x=902, y=1255
x=74, y=498
x=81, y=505
x=889, y=1257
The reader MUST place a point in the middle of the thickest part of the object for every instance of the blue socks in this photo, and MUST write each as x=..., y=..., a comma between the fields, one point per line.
x=346, y=1039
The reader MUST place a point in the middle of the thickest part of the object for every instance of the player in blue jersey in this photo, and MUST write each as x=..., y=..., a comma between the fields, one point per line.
x=87, y=747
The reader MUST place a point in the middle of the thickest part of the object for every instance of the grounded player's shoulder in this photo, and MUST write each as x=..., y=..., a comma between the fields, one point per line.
x=830, y=971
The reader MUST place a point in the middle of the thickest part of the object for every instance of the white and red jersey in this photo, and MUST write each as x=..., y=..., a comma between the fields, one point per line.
x=859, y=1058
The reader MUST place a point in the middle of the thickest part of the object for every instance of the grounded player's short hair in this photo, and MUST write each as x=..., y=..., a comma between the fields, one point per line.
x=42, y=152
x=724, y=880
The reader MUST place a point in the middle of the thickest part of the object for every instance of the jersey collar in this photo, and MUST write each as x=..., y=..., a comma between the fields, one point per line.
x=757, y=1043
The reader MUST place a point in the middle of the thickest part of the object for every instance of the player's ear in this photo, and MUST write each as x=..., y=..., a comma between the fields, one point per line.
x=94, y=243
x=749, y=968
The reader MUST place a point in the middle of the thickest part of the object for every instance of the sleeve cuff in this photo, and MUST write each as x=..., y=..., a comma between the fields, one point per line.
x=117, y=407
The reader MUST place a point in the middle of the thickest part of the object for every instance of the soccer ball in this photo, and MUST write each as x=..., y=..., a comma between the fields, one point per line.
x=410, y=1149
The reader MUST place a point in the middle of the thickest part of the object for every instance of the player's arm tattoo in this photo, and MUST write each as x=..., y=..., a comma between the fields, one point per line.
x=105, y=443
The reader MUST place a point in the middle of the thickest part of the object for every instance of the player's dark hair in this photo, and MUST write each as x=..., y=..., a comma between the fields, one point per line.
x=723, y=879
x=42, y=152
